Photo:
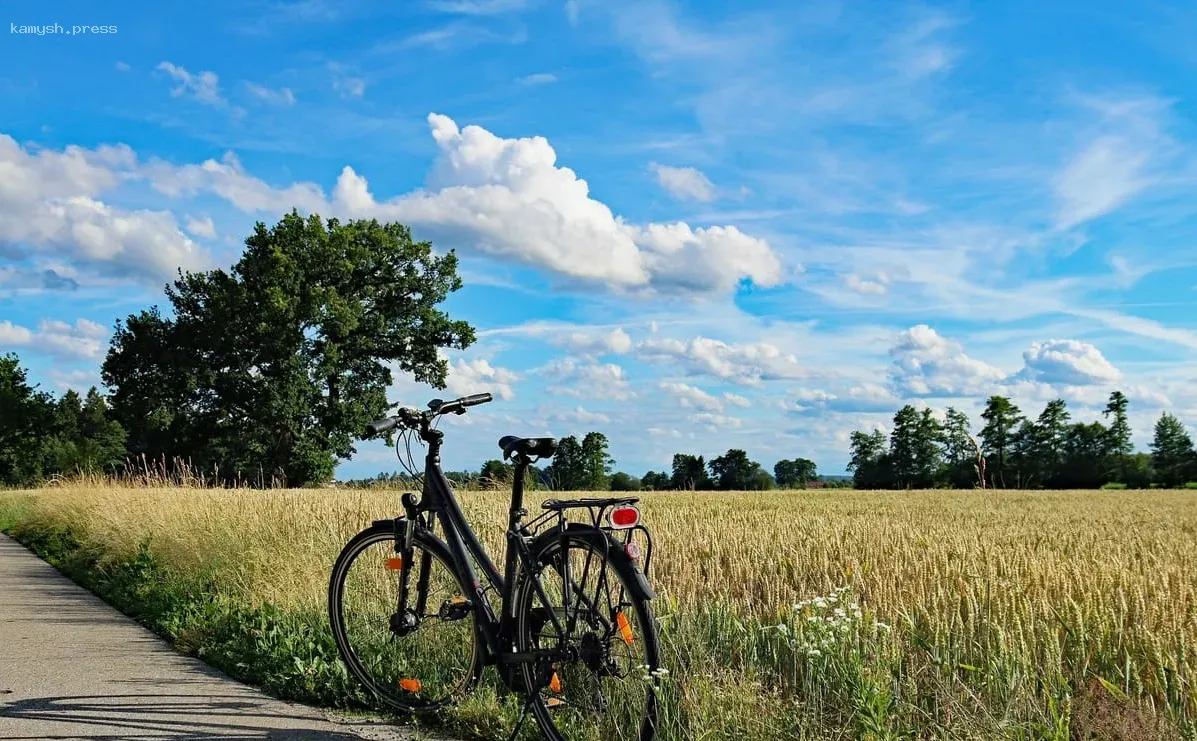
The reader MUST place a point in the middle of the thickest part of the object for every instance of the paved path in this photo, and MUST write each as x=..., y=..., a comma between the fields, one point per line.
x=73, y=667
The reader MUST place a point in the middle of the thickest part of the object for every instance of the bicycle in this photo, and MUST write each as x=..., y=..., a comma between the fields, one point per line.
x=555, y=639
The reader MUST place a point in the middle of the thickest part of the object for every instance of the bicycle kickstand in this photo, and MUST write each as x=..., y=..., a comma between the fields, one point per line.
x=523, y=715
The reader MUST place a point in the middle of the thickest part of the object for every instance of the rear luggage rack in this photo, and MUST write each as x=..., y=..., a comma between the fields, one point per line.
x=597, y=509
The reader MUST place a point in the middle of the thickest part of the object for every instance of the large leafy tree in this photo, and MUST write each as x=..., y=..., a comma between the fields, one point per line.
x=276, y=365
x=734, y=471
x=1172, y=454
x=26, y=415
x=796, y=472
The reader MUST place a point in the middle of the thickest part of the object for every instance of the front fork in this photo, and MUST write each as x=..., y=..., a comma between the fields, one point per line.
x=404, y=620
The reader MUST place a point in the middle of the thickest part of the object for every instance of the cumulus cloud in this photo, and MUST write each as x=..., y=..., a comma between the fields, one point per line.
x=926, y=364
x=747, y=364
x=715, y=422
x=200, y=227
x=684, y=183
x=82, y=341
x=509, y=199
x=479, y=376
x=616, y=342
x=692, y=397
x=588, y=379
x=204, y=87
x=1067, y=362
x=48, y=202
x=736, y=399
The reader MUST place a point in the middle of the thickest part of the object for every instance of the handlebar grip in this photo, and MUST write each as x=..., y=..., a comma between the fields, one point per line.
x=475, y=399
x=380, y=426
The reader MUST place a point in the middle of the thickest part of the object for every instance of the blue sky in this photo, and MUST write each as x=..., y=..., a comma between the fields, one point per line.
x=692, y=226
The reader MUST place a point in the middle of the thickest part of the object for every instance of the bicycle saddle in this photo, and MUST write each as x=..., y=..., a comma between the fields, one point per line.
x=542, y=447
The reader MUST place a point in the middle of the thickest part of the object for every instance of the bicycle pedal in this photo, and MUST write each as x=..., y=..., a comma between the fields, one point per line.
x=552, y=703
x=455, y=608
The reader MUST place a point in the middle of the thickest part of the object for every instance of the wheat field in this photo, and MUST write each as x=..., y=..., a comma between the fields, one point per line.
x=796, y=614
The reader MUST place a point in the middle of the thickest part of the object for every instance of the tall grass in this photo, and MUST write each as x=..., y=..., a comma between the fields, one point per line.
x=816, y=614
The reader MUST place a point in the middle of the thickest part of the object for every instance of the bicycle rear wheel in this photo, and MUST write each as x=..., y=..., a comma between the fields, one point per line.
x=604, y=685
x=416, y=659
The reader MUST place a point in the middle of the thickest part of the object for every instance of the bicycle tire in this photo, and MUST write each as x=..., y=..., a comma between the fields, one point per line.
x=396, y=698
x=599, y=543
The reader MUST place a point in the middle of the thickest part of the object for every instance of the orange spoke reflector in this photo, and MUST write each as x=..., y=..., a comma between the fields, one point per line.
x=555, y=683
x=395, y=563
x=411, y=685
x=554, y=702
x=625, y=630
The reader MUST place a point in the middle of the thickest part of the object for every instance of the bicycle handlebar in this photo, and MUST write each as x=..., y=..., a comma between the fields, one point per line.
x=415, y=420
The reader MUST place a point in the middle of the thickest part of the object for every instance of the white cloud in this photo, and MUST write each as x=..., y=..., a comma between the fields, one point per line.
x=616, y=342
x=539, y=78
x=588, y=380
x=877, y=286
x=1122, y=155
x=926, y=364
x=204, y=87
x=282, y=96
x=692, y=397
x=479, y=376
x=684, y=183
x=83, y=341
x=736, y=399
x=123, y=66
x=748, y=363
x=48, y=201
x=507, y=198
x=200, y=227
x=1067, y=362
x=229, y=180
x=1101, y=177
x=579, y=415
x=715, y=422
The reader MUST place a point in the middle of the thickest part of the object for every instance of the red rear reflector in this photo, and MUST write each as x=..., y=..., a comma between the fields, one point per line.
x=395, y=563
x=624, y=517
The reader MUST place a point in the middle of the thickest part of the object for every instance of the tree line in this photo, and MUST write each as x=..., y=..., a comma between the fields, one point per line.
x=586, y=465
x=1012, y=450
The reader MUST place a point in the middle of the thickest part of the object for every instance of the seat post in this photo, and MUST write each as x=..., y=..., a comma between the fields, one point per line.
x=517, y=490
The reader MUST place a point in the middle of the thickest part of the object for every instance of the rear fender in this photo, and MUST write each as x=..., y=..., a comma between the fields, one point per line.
x=601, y=539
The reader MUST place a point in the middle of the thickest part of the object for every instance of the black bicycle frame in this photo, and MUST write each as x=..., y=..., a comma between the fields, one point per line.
x=463, y=543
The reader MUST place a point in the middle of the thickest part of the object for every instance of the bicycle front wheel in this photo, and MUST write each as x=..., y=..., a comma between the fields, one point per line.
x=602, y=684
x=415, y=657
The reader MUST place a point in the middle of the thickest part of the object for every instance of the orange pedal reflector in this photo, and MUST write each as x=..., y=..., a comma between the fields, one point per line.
x=555, y=683
x=411, y=685
x=554, y=702
x=395, y=563
x=625, y=630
